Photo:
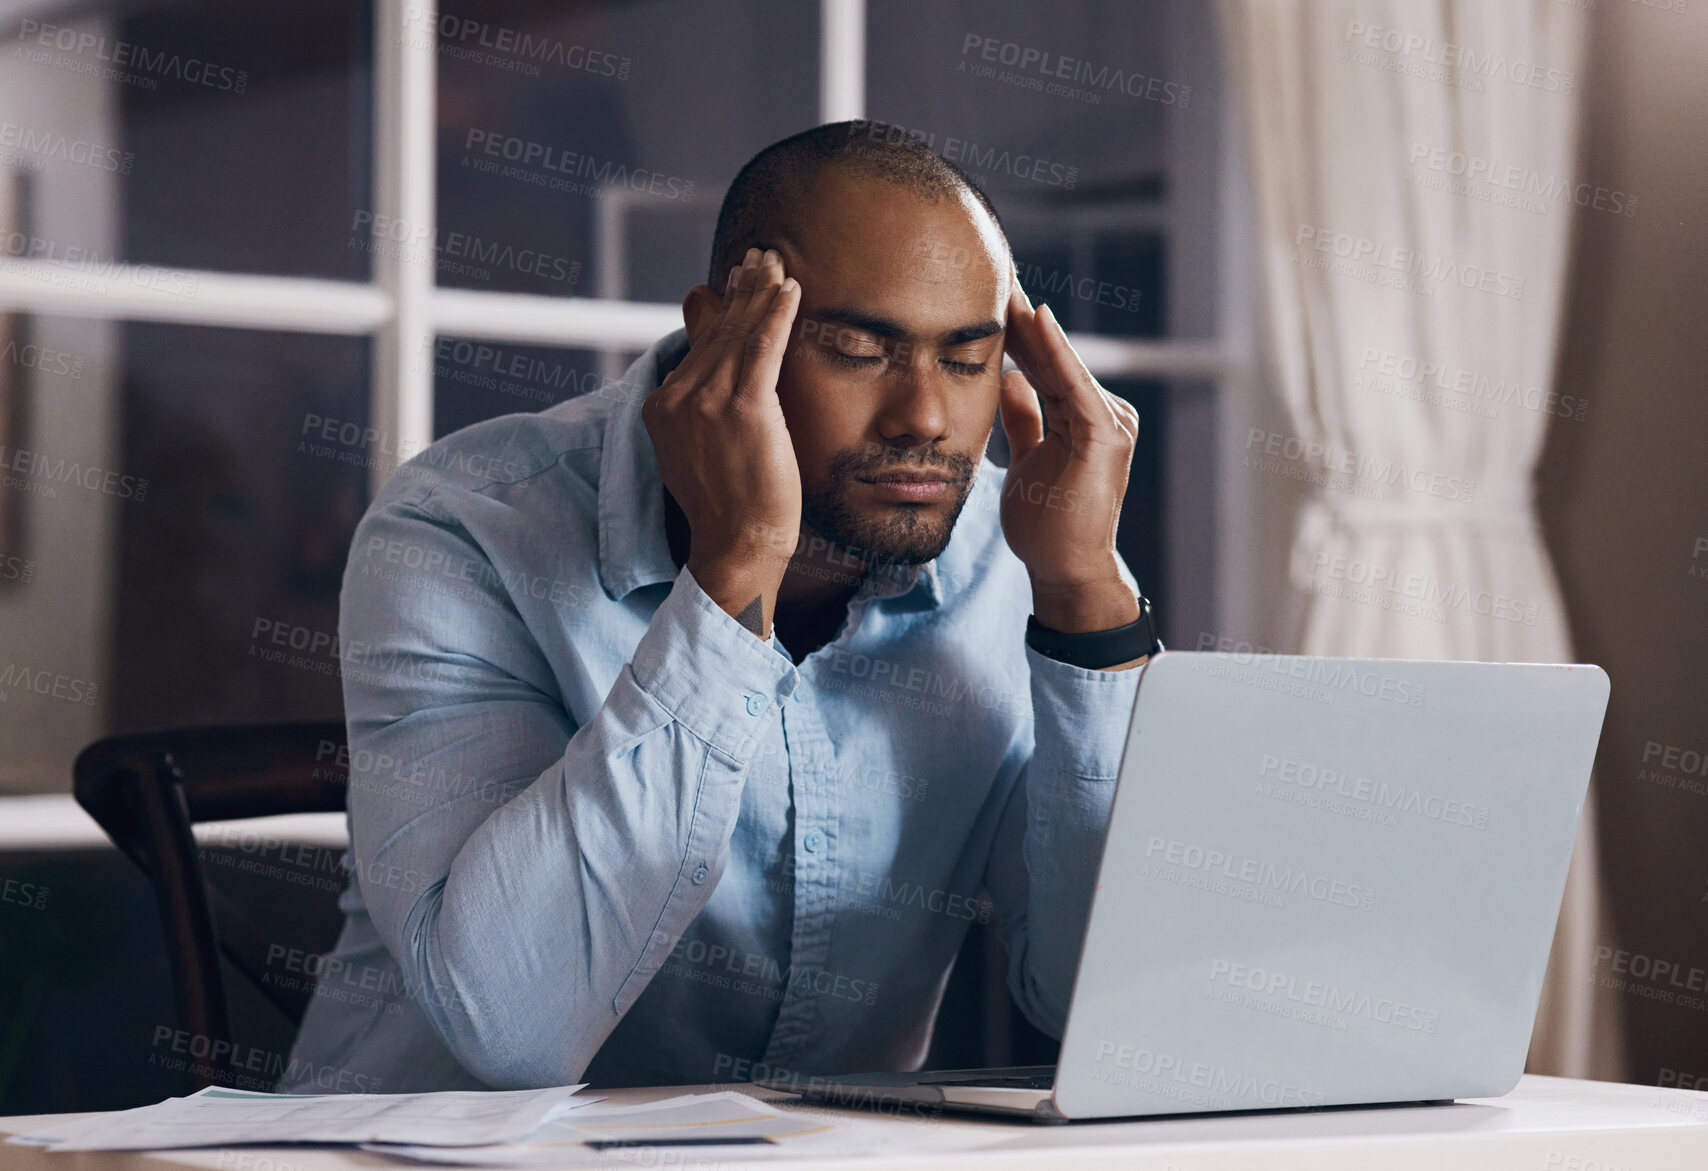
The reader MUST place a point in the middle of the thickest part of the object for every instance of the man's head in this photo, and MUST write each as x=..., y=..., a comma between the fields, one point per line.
x=895, y=358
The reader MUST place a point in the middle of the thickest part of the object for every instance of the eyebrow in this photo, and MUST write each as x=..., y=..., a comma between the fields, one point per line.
x=885, y=328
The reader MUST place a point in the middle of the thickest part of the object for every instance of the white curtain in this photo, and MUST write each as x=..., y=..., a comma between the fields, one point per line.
x=1414, y=314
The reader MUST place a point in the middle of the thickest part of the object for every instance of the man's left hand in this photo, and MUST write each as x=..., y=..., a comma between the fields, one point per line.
x=1061, y=498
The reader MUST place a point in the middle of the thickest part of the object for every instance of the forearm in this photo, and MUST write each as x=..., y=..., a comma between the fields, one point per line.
x=561, y=906
x=555, y=908
x=1081, y=718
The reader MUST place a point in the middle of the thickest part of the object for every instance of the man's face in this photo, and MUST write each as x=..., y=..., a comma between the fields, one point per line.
x=894, y=363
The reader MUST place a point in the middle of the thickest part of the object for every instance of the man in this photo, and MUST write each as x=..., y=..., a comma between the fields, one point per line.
x=687, y=721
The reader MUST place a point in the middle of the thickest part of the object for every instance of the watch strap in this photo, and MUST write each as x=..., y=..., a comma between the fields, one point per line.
x=1096, y=649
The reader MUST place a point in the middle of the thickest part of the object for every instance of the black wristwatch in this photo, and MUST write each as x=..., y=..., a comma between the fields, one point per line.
x=1098, y=648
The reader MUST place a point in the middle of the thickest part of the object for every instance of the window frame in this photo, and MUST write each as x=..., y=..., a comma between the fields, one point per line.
x=401, y=306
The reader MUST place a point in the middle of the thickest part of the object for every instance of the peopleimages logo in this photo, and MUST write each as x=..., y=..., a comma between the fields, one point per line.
x=24, y=894
x=1062, y=282
x=1332, y=675
x=1046, y=65
x=1473, y=386
x=740, y=970
x=182, y=1050
x=52, y=145
x=547, y=165
x=77, y=267
x=1529, y=186
x=454, y=253
x=1374, y=471
x=1426, y=50
x=1213, y=1079
x=1674, y=767
x=969, y=155
x=1187, y=864
x=33, y=357
x=1361, y=581
x=1377, y=794
x=138, y=60
x=40, y=681
x=1425, y=268
x=514, y=49
x=1664, y=981
x=1319, y=994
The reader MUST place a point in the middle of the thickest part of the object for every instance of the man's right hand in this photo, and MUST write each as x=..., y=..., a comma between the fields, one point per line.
x=723, y=448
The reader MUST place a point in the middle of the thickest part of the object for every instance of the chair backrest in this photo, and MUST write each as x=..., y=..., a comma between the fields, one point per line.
x=147, y=789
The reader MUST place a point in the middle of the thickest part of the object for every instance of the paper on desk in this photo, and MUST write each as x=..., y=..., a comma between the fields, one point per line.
x=560, y=1141
x=222, y=1117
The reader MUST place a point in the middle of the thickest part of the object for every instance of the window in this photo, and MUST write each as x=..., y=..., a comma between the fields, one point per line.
x=278, y=248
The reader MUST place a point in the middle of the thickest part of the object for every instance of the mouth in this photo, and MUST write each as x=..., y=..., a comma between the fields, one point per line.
x=923, y=486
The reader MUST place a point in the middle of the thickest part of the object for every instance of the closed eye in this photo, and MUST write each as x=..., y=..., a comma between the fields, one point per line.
x=966, y=369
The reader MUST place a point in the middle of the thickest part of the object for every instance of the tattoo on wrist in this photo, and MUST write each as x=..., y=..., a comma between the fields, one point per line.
x=753, y=617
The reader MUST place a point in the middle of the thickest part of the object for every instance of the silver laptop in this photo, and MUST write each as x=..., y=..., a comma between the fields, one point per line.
x=1326, y=882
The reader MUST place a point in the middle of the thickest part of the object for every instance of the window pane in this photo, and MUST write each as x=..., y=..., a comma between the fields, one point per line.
x=584, y=150
x=257, y=450
x=1070, y=118
x=192, y=135
x=64, y=485
x=175, y=513
x=475, y=379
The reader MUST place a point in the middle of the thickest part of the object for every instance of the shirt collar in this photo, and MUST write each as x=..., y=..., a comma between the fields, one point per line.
x=633, y=549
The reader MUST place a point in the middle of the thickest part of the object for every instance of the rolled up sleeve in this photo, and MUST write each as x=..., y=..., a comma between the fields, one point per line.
x=530, y=872
x=1048, y=847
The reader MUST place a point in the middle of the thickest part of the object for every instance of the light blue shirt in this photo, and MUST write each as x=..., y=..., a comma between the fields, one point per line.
x=599, y=831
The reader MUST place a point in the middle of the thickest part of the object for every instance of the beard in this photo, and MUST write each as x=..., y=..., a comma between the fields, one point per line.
x=896, y=534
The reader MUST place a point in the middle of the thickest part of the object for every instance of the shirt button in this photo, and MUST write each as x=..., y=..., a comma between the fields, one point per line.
x=814, y=842
x=700, y=875
x=755, y=704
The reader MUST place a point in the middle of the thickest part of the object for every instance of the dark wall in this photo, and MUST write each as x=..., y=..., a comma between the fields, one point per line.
x=87, y=1019
x=1624, y=500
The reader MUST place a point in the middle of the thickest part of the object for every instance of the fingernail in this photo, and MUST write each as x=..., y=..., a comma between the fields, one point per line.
x=789, y=284
x=772, y=256
x=751, y=259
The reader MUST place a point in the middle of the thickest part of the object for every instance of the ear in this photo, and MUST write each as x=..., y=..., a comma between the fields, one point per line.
x=699, y=307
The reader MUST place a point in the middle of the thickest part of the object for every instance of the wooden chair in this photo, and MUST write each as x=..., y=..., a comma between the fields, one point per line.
x=146, y=790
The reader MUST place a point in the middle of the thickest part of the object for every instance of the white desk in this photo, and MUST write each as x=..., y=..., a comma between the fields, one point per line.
x=54, y=821
x=1547, y=1124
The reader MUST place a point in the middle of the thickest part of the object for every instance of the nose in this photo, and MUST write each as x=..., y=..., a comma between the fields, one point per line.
x=915, y=407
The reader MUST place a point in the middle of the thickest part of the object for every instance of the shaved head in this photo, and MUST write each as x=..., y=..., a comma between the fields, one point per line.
x=765, y=202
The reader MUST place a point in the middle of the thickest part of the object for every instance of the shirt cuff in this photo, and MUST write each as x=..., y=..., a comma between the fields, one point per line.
x=1080, y=716
x=709, y=671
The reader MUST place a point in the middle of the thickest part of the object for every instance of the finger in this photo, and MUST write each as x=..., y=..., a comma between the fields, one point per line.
x=766, y=344
x=757, y=286
x=1016, y=291
x=1126, y=417
x=1021, y=343
x=1022, y=421
x=1068, y=388
x=1021, y=323
x=741, y=290
x=703, y=348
